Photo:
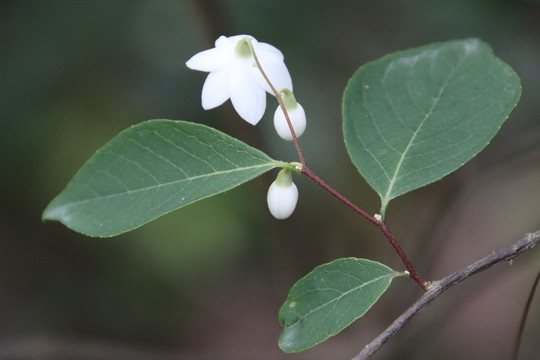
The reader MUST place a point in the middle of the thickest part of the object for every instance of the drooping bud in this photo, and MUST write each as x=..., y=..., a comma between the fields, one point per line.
x=296, y=113
x=282, y=195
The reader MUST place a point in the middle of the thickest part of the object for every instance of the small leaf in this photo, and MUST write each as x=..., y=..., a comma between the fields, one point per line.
x=329, y=299
x=149, y=170
x=414, y=116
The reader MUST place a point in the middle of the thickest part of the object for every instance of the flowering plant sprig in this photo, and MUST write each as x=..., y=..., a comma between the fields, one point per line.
x=397, y=111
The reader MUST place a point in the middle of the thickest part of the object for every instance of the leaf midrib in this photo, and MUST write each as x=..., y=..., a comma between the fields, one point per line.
x=387, y=197
x=128, y=192
x=339, y=297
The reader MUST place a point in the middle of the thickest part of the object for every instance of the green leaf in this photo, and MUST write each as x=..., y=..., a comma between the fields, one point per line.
x=149, y=170
x=329, y=299
x=414, y=116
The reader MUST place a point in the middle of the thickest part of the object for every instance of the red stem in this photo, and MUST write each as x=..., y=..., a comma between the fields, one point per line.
x=310, y=174
x=306, y=171
x=412, y=272
x=379, y=223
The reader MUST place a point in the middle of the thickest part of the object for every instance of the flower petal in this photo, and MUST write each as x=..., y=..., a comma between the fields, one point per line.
x=221, y=41
x=233, y=40
x=210, y=60
x=247, y=97
x=215, y=89
x=267, y=48
x=276, y=71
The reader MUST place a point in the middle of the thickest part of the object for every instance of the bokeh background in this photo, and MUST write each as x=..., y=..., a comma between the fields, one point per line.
x=206, y=282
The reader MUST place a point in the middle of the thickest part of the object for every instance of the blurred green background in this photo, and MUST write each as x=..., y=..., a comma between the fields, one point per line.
x=206, y=282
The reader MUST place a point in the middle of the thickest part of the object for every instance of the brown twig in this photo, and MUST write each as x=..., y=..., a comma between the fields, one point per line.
x=438, y=287
x=519, y=336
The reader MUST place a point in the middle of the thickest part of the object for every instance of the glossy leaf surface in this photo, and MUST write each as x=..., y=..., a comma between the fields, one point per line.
x=151, y=169
x=414, y=116
x=329, y=299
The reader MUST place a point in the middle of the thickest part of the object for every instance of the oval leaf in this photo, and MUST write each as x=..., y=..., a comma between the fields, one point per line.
x=414, y=116
x=151, y=169
x=329, y=299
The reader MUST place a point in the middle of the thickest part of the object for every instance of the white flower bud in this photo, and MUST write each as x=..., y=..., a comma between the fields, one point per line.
x=282, y=196
x=296, y=113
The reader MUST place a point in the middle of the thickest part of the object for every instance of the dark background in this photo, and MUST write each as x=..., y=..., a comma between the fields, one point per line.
x=206, y=282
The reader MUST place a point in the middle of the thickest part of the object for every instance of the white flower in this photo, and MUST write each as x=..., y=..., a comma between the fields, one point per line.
x=297, y=115
x=282, y=196
x=234, y=74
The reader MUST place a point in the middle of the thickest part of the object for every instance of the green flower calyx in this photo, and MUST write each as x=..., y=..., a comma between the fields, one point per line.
x=284, y=178
x=288, y=99
x=243, y=48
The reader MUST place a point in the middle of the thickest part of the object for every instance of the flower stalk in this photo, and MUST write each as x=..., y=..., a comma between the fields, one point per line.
x=283, y=108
